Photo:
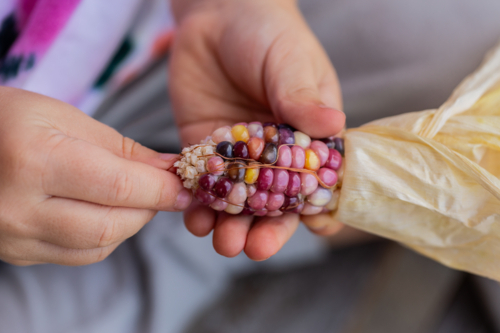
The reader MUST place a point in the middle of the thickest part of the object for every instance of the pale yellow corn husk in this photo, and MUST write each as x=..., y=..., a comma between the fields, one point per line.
x=431, y=179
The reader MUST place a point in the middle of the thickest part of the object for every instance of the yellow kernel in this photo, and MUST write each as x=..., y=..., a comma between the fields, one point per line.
x=251, y=175
x=240, y=133
x=312, y=160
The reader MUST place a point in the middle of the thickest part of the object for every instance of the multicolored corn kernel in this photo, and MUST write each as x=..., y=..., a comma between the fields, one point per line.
x=264, y=170
x=240, y=133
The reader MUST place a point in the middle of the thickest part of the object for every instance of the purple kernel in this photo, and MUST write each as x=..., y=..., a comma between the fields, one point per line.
x=339, y=145
x=298, y=157
x=240, y=150
x=280, y=126
x=269, y=124
x=265, y=180
x=259, y=200
x=329, y=143
x=275, y=201
x=223, y=187
x=247, y=210
x=280, y=181
x=293, y=187
x=298, y=209
x=284, y=156
x=286, y=136
x=225, y=149
x=334, y=160
x=204, y=197
x=290, y=203
x=328, y=176
x=207, y=181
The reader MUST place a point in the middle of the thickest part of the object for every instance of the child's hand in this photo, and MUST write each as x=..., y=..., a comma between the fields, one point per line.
x=71, y=188
x=249, y=60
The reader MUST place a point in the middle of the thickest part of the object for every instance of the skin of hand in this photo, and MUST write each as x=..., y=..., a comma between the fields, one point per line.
x=71, y=188
x=242, y=61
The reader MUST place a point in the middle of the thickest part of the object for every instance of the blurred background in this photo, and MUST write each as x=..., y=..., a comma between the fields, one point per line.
x=391, y=56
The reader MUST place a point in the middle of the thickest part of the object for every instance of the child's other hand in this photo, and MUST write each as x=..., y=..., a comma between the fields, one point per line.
x=242, y=61
x=71, y=188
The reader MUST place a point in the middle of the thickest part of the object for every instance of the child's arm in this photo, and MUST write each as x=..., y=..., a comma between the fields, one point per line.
x=241, y=61
x=71, y=188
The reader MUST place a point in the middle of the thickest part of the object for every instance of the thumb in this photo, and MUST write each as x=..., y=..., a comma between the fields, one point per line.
x=304, y=92
x=305, y=111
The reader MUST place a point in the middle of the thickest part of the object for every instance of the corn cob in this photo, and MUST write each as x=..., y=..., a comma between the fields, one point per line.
x=263, y=169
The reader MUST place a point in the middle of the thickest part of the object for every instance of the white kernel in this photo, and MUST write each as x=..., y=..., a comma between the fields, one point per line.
x=190, y=172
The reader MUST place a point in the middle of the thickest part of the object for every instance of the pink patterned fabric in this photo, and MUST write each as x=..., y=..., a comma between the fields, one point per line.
x=79, y=51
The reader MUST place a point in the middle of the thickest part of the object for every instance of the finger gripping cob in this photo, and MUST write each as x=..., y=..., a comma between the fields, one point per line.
x=263, y=169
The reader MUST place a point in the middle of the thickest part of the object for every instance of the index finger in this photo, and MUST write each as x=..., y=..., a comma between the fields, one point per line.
x=80, y=170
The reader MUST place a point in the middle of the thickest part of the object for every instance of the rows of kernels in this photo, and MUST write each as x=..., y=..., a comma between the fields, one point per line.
x=268, y=191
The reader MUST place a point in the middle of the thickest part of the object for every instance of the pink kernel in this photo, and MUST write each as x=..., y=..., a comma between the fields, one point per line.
x=293, y=187
x=284, y=156
x=251, y=189
x=265, y=179
x=259, y=200
x=328, y=176
x=275, y=201
x=321, y=150
x=308, y=183
x=238, y=194
x=334, y=160
x=215, y=165
x=222, y=134
x=298, y=157
x=219, y=205
x=280, y=181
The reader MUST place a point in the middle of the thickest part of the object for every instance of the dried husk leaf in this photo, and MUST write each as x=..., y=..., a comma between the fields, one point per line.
x=431, y=179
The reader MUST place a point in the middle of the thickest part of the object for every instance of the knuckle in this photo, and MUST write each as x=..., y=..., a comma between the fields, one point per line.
x=122, y=187
x=109, y=233
x=129, y=147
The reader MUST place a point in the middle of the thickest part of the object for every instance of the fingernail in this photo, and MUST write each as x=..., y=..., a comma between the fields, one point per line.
x=183, y=200
x=323, y=106
x=168, y=157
